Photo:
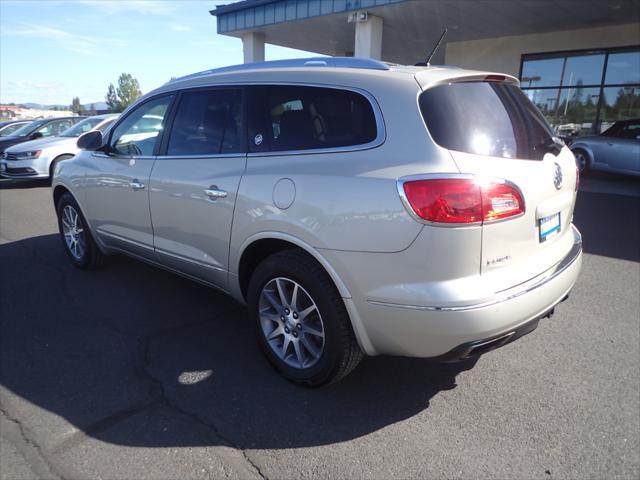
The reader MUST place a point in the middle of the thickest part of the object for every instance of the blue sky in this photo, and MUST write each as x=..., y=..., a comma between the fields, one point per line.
x=51, y=51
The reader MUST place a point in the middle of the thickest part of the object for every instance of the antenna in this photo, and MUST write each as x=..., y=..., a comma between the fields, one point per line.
x=428, y=62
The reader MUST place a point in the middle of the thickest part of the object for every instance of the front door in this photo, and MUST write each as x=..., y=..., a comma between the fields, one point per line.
x=116, y=186
x=195, y=181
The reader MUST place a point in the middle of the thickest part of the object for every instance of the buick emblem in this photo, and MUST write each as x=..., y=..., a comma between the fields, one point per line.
x=557, y=177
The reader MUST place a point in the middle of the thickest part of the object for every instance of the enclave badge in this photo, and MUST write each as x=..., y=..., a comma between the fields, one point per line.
x=557, y=177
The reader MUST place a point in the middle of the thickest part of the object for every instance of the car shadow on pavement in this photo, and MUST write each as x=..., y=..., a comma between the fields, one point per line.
x=9, y=183
x=136, y=356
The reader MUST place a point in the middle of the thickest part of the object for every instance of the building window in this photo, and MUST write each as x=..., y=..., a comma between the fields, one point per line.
x=584, y=92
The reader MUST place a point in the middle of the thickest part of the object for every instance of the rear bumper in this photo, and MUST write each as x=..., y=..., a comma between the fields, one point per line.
x=448, y=331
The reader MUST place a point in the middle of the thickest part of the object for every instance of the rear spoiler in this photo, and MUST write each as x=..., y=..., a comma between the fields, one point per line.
x=429, y=78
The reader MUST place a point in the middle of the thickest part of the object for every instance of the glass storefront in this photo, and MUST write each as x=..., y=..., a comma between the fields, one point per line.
x=584, y=92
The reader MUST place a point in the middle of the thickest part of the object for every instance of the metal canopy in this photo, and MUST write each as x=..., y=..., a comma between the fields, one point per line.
x=411, y=27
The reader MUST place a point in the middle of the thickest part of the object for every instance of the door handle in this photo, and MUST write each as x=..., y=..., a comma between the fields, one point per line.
x=136, y=184
x=213, y=192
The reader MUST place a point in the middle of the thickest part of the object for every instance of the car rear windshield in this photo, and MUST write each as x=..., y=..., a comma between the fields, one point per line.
x=486, y=118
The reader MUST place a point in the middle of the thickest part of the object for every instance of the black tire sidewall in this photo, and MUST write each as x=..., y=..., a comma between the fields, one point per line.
x=82, y=263
x=585, y=169
x=311, y=280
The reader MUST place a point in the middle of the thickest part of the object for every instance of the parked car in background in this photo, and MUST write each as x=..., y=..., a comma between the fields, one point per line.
x=8, y=128
x=617, y=149
x=48, y=127
x=354, y=206
x=38, y=158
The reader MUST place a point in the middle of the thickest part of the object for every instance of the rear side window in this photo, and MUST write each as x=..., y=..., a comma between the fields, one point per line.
x=286, y=118
x=486, y=118
x=208, y=122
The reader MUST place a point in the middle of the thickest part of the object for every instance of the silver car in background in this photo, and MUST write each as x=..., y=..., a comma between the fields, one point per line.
x=356, y=207
x=38, y=158
x=616, y=150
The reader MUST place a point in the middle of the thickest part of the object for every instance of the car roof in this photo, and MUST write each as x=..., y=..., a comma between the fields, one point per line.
x=346, y=71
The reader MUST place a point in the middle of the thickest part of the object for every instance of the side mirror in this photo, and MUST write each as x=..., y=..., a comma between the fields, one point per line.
x=36, y=135
x=91, y=141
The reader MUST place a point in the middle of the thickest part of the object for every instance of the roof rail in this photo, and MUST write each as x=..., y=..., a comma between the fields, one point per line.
x=335, y=62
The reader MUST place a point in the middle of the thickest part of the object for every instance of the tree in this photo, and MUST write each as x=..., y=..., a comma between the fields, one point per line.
x=112, y=99
x=127, y=92
x=76, y=106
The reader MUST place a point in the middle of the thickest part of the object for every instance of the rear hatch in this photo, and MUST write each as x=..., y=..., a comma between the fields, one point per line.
x=493, y=131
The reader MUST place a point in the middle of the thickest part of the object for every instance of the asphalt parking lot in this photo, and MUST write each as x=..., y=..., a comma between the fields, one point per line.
x=131, y=372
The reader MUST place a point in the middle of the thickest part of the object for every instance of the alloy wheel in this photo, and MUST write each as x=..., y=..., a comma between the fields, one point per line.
x=291, y=323
x=74, y=235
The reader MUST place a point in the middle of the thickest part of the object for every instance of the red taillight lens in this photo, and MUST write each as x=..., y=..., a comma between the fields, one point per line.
x=458, y=200
x=500, y=200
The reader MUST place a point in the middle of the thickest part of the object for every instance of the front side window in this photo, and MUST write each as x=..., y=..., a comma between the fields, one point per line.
x=301, y=118
x=29, y=128
x=628, y=130
x=48, y=129
x=486, y=118
x=207, y=122
x=139, y=131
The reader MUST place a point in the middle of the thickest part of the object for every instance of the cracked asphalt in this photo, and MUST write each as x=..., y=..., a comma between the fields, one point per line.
x=132, y=372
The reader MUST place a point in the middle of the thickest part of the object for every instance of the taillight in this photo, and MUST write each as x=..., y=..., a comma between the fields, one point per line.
x=462, y=200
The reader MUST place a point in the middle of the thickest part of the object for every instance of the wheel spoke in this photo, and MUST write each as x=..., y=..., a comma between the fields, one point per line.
x=313, y=331
x=298, y=350
x=272, y=300
x=283, y=298
x=274, y=317
x=276, y=332
x=308, y=345
x=294, y=297
x=285, y=346
x=305, y=313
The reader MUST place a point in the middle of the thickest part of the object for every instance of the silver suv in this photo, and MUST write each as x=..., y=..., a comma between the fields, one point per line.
x=356, y=207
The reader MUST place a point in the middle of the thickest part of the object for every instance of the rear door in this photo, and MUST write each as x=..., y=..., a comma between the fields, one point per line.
x=195, y=181
x=493, y=131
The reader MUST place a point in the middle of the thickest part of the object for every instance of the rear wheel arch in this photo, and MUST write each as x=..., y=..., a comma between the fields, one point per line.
x=257, y=249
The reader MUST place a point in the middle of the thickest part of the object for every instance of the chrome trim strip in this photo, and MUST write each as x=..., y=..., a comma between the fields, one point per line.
x=381, y=130
x=189, y=260
x=510, y=293
x=123, y=239
x=211, y=156
x=464, y=176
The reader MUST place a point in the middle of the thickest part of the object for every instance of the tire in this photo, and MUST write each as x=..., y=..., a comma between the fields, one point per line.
x=85, y=255
x=308, y=358
x=582, y=160
x=55, y=161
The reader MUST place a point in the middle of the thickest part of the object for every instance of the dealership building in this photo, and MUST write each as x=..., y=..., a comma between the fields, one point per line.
x=578, y=60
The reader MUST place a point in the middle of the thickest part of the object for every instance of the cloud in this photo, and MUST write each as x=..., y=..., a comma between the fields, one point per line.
x=62, y=39
x=147, y=7
x=38, y=31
